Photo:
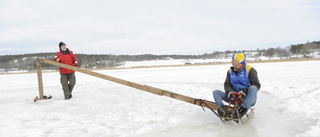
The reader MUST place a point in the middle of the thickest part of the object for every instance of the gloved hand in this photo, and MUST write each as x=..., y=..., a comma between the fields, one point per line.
x=231, y=95
x=242, y=95
x=75, y=64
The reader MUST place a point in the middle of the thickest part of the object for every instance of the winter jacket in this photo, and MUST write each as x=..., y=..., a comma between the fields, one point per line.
x=237, y=81
x=66, y=57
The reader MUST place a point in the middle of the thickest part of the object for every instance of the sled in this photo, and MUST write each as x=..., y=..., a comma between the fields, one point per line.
x=243, y=120
x=233, y=105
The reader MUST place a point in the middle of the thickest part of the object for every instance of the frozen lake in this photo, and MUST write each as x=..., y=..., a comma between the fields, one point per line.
x=102, y=108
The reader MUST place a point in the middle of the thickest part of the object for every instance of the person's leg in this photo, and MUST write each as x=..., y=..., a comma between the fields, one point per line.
x=65, y=85
x=251, y=97
x=219, y=96
x=72, y=82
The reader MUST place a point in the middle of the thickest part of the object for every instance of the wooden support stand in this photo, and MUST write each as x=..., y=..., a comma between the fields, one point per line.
x=40, y=83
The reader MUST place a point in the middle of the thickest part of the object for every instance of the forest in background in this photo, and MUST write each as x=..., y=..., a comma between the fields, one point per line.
x=26, y=62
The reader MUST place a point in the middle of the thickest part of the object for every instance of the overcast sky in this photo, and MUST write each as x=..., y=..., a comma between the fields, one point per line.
x=155, y=26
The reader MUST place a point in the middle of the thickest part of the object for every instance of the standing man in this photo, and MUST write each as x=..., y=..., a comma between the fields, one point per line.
x=68, y=78
x=241, y=78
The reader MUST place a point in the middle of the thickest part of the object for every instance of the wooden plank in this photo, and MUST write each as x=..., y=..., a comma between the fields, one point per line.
x=40, y=83
x=157, y=91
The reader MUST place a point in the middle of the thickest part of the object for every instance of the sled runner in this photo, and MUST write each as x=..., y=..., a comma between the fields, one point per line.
x=232, y=111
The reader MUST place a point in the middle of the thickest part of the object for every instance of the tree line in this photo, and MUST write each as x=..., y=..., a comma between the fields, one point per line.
x=26, y=62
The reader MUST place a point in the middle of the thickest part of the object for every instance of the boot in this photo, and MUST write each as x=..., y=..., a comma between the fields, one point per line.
x=222, y=111
x=242, y=111
x=235, y=115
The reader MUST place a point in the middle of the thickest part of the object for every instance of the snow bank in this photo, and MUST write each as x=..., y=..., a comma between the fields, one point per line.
x=297, y=86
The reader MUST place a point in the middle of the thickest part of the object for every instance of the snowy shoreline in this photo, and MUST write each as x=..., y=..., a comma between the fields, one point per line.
x=172, y=63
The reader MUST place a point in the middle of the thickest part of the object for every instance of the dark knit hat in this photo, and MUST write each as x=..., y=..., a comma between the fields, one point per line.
x=61, y=43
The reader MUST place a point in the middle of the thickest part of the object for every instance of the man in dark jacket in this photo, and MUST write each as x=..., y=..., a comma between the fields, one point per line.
x=68, y=78
x=241, y=78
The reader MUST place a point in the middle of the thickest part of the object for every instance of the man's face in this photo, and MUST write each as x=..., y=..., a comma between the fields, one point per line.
x=63, y=47
x=235, y=64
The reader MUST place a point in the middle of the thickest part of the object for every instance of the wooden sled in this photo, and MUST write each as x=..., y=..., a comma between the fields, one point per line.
x=234, y=104
x=243, y=120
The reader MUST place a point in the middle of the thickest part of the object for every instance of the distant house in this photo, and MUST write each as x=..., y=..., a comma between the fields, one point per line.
x=167, y=58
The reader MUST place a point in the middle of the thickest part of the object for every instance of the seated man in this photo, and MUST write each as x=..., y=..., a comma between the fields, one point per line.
x=241, y=78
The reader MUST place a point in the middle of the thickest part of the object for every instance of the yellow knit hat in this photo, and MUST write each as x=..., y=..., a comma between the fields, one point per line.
x=239, y=57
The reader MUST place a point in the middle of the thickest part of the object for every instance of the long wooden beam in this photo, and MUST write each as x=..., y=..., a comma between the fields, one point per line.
x=157, y=91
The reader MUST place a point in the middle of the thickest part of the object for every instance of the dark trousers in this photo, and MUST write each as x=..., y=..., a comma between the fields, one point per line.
x=68, y=81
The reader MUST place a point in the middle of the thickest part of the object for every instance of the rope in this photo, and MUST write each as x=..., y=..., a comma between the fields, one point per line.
x=203, y=101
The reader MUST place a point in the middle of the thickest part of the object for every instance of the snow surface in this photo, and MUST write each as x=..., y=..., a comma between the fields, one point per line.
x=129, y=64
x=287, y=104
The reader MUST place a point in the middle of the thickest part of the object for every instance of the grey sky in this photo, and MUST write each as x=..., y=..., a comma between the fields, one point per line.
x=155, y=26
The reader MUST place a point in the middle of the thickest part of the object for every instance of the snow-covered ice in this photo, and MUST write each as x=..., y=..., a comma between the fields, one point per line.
x=287, y=103
x=159, y=62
